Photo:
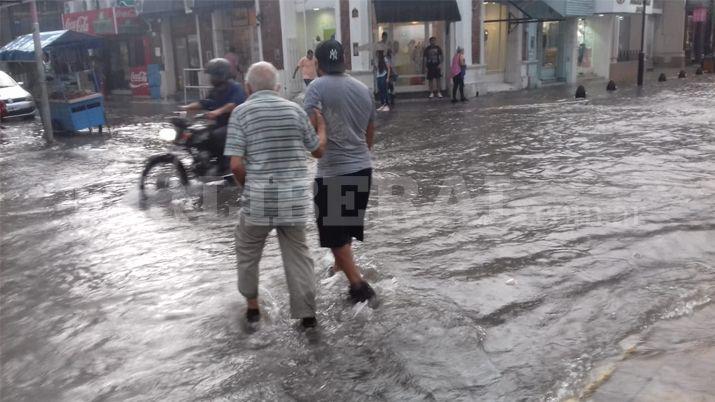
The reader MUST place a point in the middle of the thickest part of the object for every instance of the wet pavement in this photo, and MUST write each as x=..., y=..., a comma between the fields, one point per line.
x=524, y=246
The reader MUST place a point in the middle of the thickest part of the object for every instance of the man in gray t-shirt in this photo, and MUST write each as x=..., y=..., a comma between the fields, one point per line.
x=344, y=175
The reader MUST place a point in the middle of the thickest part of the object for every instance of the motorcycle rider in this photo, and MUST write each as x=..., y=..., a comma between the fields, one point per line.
x=225, y=95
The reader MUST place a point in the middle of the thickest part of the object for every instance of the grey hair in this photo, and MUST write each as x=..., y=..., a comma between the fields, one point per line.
x=262, y=76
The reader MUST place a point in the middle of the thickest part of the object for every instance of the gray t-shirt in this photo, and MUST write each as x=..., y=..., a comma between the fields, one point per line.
x=347, y=106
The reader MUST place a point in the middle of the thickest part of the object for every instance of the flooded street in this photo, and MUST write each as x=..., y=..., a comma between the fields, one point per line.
x=518, y=243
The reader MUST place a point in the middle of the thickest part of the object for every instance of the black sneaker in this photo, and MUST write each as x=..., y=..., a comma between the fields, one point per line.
x=464, y=100
x=253, y=315
x=309, y=322
x=360, y=293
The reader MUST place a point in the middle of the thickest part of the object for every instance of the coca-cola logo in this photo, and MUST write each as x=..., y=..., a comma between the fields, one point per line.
x=138, y=77
x=79, y=24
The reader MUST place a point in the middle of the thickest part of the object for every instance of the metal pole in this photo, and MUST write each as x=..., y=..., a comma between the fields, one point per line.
x=641, y=55
x=44, y=98
x=259, y=32
x=201, y=56
x=712, y=29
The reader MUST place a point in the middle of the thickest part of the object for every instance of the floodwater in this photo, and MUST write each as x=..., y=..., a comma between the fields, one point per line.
x=516, y=242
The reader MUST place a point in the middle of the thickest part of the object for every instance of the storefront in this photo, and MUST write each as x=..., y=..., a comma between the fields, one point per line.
x=409, y=25
x=496, y=28
x=407, y=44
x=236, y=29
x=550, y=47
x=122, y=62
x=699, y=31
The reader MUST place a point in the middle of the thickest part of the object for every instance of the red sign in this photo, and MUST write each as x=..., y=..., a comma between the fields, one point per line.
x=139, y=81
x=700, y=14
x=105, y=21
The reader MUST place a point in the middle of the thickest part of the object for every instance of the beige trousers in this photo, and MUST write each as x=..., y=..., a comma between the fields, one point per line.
x=297, y=263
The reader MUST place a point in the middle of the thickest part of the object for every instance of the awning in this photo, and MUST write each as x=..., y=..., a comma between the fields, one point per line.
x=23, y=48
x=387, y=11
x=535, y=10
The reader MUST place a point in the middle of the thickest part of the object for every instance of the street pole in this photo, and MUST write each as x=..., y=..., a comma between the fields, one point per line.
x=712, y=28
x=44, y=99
x=641, y=55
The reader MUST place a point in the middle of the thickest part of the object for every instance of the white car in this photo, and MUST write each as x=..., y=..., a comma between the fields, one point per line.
x=17, y=100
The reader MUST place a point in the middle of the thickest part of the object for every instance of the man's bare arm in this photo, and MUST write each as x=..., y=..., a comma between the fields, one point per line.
x=238, y=169
x=322, y=133
x=370, y=135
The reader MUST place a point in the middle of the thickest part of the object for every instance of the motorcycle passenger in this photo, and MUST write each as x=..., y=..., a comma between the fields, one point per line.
x=225, y=95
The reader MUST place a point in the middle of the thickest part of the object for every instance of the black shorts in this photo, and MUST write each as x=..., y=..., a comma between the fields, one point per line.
x=340, y=205
x=433, y=72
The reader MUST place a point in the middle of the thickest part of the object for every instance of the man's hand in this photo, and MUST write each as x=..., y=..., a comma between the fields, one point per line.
x=238, y=169
x=191, y=106
x=214, y=114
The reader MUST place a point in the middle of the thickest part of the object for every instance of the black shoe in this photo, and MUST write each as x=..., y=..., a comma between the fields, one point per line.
x=360, y=293
x=253, y=315
x=309, y=322
x=465, y=100
x=454, y=100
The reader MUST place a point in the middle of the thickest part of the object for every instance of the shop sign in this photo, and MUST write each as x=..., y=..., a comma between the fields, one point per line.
x=700, y=14
x=105, y=21
x=139, y=81
x=127, y=20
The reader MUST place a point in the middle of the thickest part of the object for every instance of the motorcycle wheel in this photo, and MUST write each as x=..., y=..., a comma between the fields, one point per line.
x=163, y=172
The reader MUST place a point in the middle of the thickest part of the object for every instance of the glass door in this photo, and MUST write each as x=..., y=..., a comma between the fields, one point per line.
x=550, y=53
x=495, y=37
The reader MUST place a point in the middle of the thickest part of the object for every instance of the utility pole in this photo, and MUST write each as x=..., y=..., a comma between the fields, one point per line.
x=44, y=99
x=641, y=55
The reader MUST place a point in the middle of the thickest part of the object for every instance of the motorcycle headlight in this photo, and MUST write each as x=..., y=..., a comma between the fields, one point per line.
x=167, y=134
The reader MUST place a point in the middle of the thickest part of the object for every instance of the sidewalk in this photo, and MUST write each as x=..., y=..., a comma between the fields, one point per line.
x=673, y=360
x=120, y=106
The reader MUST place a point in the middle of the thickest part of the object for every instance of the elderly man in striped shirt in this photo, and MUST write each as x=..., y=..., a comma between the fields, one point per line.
x=267, y=141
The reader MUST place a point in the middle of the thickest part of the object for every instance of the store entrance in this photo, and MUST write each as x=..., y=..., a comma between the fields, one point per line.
x=550, y=50
x=407, y=42
x=124, y=54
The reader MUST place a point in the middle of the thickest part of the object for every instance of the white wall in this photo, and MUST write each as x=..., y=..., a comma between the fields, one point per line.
x=168, y=82
x=360, y=33
x=602, y=31
x=463, y=29
x=513, y=71
x=568, y=53
x=670, y=31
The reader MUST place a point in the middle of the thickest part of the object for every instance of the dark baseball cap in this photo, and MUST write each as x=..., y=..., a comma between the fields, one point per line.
x=330, y=56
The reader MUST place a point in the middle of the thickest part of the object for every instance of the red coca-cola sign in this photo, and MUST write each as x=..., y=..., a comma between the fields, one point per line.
x=139, y=81
x=80, y=22
x=105, y=21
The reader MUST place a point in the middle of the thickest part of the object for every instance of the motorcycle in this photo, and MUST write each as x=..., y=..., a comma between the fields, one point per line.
x=189, y=157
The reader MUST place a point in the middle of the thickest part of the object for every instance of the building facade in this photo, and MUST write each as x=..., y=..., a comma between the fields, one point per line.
x=158, y=47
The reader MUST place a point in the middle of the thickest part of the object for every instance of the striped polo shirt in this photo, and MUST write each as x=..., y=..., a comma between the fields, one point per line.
x=272, y=135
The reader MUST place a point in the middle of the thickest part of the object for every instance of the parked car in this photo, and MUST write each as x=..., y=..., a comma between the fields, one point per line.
x=18, y=102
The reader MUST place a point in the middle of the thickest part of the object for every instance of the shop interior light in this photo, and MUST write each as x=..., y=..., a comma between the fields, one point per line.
x=316, y=9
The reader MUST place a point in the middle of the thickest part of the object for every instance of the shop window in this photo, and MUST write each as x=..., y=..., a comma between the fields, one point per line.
x=585, y=45
x=316, y=21
x=495, y=36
